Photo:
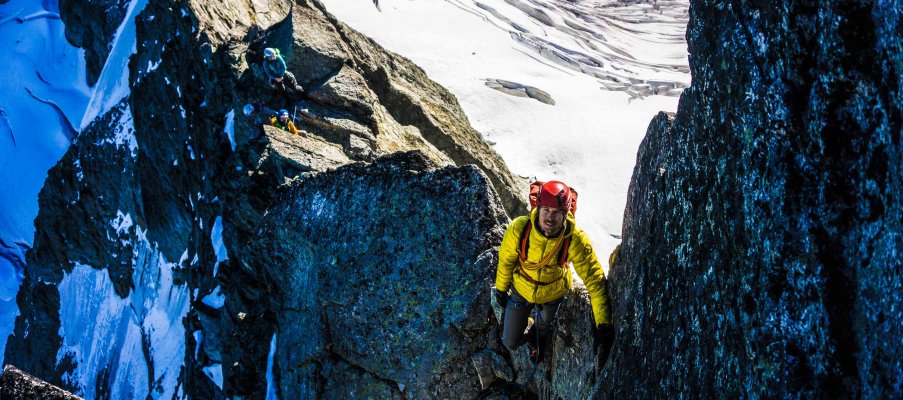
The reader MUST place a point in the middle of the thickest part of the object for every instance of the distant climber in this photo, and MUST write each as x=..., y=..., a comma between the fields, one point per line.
x=277, y=74
x=533, y=263
x=282, y=121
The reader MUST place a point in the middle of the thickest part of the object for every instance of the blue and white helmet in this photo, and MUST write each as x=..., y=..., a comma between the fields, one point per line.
x=283, y=113
x=268, y=52
x=248, y=109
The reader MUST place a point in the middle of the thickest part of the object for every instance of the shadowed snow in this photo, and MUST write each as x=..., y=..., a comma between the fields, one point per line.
x=271, y=381
x=113, y=84
x=44, y=90
x=103, y=332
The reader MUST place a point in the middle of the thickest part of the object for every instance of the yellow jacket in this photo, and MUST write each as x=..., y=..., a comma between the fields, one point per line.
x=580, y=254
x=289, y=127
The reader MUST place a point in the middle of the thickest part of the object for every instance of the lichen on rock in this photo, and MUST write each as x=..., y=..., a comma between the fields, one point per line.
x=761, y=234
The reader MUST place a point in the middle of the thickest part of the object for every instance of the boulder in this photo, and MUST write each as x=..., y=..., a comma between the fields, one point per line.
x=370, y=279
x=761, y=238
x=15, y=384
x=346, y=89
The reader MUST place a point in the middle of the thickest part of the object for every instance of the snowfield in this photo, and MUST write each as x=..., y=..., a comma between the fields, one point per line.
x=600, y=61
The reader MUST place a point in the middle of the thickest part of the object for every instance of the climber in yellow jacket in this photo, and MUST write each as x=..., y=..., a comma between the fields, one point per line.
x=282, y=121
x=533, y=265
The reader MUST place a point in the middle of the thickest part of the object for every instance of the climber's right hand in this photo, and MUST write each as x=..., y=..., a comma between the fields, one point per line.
x=501, y=297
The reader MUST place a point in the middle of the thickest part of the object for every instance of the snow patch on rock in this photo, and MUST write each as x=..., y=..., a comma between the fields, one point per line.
x=124, y=133
x=103, y=332
x=230, y=128
x=198, y=340
x=99, y=333
x=113, y=83
x=219, y=248
x=215, y=373
x=271, y=380
x=121, y=223
x=215, y=299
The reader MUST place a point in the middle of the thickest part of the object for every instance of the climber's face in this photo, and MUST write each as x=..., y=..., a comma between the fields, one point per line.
x=550, y=220
x=283, y=119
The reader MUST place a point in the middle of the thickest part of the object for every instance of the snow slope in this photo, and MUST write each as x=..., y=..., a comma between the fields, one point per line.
x=103, y=332
x=589, y=138
x=44, y=98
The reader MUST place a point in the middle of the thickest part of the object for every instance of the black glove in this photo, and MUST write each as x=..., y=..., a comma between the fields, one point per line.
x=501, y=297
x=603, y=338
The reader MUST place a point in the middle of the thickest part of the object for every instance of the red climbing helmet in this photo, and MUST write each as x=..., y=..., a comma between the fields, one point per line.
x=556, y=194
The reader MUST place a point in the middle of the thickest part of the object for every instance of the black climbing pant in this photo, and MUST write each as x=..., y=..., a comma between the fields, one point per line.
x=516, y=313
x=288, y=84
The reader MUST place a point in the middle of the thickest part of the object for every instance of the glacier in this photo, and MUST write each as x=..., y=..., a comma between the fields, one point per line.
x=44, y=89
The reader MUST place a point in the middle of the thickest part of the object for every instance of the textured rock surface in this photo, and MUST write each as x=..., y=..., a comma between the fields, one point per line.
x=412, y=99
x=762, y=235
x=95, y=35
x=368, y=277
x=15, y=385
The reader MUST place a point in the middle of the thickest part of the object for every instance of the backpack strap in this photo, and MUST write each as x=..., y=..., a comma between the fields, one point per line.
x=535, y=282
x=564, y=242
x=563, y=253
x=525, y=240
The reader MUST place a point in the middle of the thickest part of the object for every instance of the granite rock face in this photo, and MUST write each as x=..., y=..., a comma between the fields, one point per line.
x=762, y=234
x=368, y=278
x=15, y=385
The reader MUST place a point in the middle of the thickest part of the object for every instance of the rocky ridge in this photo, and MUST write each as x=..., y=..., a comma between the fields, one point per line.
x=760, y=254
x=141, y=281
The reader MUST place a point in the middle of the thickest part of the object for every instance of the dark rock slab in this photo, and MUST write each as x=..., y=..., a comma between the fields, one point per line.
x=519, y=90
x=762, y=233
x=366, y=272
x=17, y=385
x=297, y=153
x=319, y=50
x=94, y=37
